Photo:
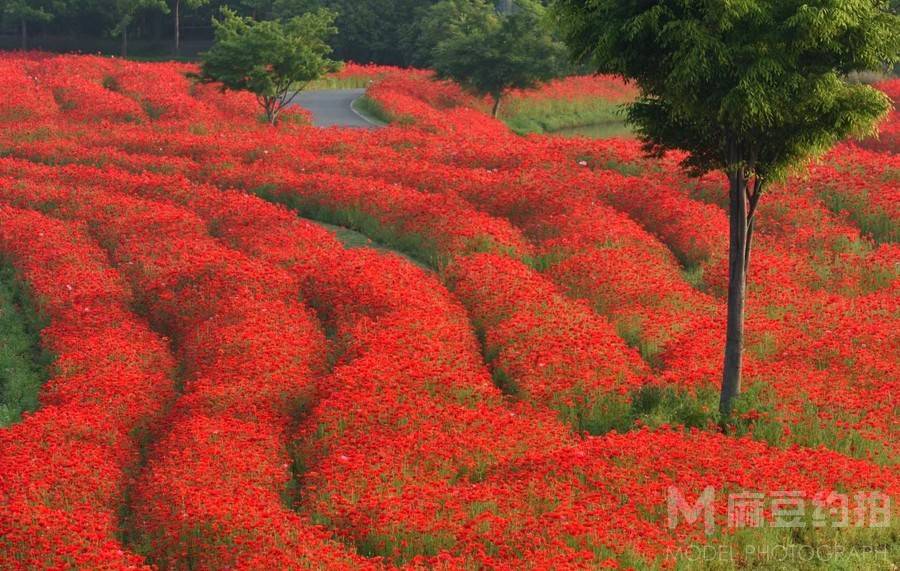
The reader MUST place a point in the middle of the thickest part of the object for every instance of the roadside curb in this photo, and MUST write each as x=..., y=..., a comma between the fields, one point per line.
x=364, y=117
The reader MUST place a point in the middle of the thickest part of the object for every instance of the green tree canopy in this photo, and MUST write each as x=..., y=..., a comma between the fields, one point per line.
x=441, y=22
x=376, y=30
x=271, y=59
x=490, y=53
x=124, y=11
x=750, y=87
x=287, y=9
x=28, y=11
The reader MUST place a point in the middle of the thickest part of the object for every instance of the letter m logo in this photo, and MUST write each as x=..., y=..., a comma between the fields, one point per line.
x=679, y=506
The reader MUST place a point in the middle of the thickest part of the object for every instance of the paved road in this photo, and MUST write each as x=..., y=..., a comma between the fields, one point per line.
x=332, y=107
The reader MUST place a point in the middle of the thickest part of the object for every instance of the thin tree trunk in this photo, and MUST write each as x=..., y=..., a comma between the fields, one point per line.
x=177, y=26
x=24, y=35
x=125, y=40
x=271, y=110
x=740, y=231
x=496, y=110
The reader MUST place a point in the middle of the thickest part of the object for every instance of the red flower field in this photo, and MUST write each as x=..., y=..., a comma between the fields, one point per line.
x=532, y=384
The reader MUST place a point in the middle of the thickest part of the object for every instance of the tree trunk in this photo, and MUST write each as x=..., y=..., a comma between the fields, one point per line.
x=177, y=27
x=271, y=108
x=496, y=110
x=125, y=40
x=24, y=35
x=740, y=223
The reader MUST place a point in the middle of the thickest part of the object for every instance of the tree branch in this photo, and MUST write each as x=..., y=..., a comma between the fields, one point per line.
x=753, y=197
x=295, y=93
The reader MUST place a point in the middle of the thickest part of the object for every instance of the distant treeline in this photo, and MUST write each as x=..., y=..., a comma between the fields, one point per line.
x=380, y=31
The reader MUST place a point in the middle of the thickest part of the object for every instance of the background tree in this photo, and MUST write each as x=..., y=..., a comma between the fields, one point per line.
x=287, y=9
x=25, y=12
x=374, y=30
x=124, y=12
x=176, y=16
x=271, y=59
x=492, y=53
x=748, y=87
x=441, y=22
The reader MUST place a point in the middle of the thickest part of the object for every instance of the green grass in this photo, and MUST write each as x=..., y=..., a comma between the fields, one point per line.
x=651, y=405
x=23, y=363
x=755, y=414
x=356, y=228
x=372, y=110
x=353, y=239
x=596, y=131
x=552, y=116
x=419, y=248
x=877, y=223
x=631, y=331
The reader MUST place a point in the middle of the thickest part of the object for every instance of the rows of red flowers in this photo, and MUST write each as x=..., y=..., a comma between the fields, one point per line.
x=815, y=273
x=248, y=353
x=399, y=416
x=65, y=469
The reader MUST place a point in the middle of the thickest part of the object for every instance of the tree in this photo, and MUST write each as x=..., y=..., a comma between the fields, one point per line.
x=270, y=58
x=176, y=12
x=26, y=11
x=749, y=87
x=497, y=52
x=124, y=12
x=374, y=30
x=287, y=9
x=441, y=22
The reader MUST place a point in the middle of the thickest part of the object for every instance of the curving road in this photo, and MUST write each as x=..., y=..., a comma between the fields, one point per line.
x=334, y=108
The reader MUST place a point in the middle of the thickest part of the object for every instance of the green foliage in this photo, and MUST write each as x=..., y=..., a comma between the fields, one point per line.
x=24, y=12
x=270, y=58
x=287, y=9
x=442, y=21
x=489, y=53
x=757, y=85
x=32, y=10
x=376, y=30
x=124, y=11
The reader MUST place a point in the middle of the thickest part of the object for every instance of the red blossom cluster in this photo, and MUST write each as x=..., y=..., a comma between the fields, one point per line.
x=64, y=470
x=400, y=416
x=576, y=88
x=827, y=273
x=888, y=139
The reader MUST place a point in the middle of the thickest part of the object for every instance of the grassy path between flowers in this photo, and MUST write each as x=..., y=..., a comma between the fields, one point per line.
x=23, y=363
x=593, y=118
x=352, y=239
